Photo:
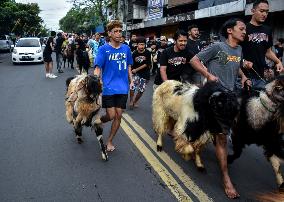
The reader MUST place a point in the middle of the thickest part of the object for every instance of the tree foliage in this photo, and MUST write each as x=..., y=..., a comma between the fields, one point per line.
x=86, y=15
x=20, y=18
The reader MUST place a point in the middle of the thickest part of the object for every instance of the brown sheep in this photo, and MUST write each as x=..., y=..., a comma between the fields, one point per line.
x=82, y=104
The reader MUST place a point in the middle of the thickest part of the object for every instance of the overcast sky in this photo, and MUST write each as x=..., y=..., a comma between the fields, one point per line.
x=51, y=11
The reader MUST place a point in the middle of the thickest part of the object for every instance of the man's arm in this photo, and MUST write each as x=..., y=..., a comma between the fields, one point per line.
x=271, y=55
x=198, y=66
x=139, y=68
x=97, y=71
x=163, y=71
x=244, y=79
x=130, y=76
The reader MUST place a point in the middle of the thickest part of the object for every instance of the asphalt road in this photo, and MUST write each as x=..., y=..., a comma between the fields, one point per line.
x=41, y=161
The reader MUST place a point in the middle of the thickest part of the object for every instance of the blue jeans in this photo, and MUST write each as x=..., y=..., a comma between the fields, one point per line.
x=59, y=58
x=258, y=84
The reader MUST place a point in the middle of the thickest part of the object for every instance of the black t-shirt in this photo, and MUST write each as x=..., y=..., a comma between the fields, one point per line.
x=175, y=62
x=279, y=51
x=257, y=41
x=193, y=46
x=133, y=45
x=141, y=59
x=159, y=52
x=58, y=45
x=47, y=50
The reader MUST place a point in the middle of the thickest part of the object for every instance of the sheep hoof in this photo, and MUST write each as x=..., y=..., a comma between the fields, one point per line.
x=281, y=187
x=159, y=148
x=79, y=140
x=104, y=156
x=201, y=169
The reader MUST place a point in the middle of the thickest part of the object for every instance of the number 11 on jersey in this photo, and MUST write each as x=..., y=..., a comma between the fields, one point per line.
x=120, y=63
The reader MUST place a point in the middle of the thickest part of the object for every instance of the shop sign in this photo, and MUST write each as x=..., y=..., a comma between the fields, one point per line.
x=155, y=9
x=180, y=18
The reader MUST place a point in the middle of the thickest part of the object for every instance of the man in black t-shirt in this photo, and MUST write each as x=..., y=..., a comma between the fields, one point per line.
x=161, y=48
x=133, y=42
x=174, y=59
x=140, y=71
x=193, y=45
x=257, y=45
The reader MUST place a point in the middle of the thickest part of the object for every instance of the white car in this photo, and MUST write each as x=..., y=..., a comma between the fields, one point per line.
x=27, y=50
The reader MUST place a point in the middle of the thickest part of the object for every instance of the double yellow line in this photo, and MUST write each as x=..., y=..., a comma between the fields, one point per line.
x=150, y=156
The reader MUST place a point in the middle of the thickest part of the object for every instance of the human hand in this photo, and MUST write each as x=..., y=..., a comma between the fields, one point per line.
x=133, y=71
x=131, y=84
x=279, y=67
x=247, y=64
x=211, y=77
x=246, y=81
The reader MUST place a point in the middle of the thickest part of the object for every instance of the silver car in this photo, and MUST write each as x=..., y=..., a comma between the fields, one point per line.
x=5, y=43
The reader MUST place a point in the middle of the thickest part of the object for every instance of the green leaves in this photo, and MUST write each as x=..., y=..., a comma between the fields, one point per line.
x=19, y=18
x=86, y=15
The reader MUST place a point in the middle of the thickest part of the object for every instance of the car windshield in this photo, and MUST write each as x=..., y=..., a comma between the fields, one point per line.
x=2, y=37
x=28, y=43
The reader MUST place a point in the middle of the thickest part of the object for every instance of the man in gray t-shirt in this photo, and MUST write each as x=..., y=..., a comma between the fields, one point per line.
x=222, y=63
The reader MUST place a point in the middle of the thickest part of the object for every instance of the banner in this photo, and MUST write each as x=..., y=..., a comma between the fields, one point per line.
x=155, y=9
x=180, y=17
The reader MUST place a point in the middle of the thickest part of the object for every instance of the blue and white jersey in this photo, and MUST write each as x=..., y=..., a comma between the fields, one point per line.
x=114, y=65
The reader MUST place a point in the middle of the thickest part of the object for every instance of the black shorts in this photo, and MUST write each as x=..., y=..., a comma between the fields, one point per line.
x=118, y=101
x=47, y=59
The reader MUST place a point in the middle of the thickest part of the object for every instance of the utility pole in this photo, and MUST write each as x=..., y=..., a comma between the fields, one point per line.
x=125, y=15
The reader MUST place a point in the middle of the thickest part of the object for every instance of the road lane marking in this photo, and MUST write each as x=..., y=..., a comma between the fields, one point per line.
x=185, y=179
x=165, y=175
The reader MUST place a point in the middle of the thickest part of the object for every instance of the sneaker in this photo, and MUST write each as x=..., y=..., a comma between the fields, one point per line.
x=52, y=76
x=60, y=71
x=47, y=75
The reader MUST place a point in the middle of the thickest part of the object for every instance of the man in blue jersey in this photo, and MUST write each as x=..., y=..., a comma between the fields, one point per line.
x=113, y=65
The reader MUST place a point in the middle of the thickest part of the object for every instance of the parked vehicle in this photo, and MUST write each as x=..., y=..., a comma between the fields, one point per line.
x=5, y=43
x=27, y=50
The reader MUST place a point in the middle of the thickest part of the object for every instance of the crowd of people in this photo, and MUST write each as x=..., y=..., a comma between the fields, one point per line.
x=67, y=48
x=125, y=69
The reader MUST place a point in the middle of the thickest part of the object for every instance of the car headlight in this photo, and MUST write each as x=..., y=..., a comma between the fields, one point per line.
x=15, y=51
x=38, y=51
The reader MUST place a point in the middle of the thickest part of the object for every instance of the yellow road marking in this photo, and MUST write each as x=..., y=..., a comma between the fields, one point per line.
x=186, y=180
x=169, y=180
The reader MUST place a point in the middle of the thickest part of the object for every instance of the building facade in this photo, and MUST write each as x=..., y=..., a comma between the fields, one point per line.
x=164, y=17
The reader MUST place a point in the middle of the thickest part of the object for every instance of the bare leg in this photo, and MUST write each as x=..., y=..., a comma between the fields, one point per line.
x=137, y=97
x=50, y=64
x=46, y=67
x=115, y=115
x=131, y=96
x=221, y=153
x=114, y=127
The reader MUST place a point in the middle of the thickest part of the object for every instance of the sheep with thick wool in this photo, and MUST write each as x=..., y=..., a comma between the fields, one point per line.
x=192, y=114
x=260, y=122
x=82, y=104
